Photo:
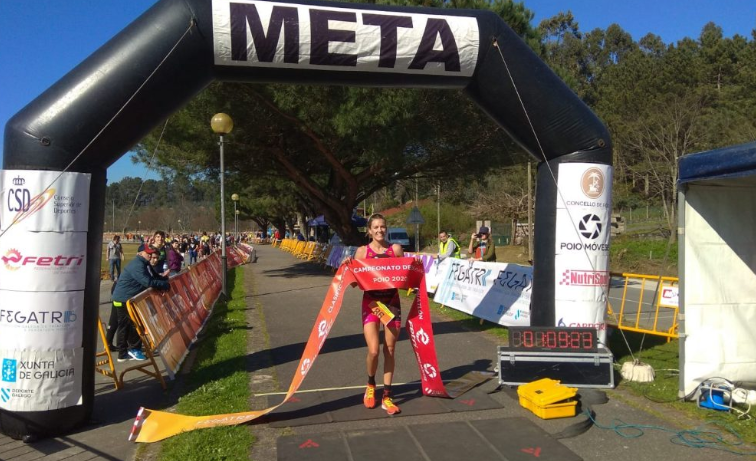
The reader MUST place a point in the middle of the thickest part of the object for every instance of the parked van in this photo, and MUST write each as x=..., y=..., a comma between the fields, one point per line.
x=399, y=235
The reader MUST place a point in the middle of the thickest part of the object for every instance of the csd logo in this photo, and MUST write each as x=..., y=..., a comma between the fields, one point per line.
x=19, y=199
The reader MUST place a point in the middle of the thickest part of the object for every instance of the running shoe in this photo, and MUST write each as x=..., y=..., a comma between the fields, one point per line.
x=136, y=354
x=123, y=359
x=388, y=405
x=369, y=399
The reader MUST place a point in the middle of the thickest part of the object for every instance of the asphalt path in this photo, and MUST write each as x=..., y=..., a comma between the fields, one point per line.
x=285, y=295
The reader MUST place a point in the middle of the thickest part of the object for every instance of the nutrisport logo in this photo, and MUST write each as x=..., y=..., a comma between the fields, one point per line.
x=14, y=260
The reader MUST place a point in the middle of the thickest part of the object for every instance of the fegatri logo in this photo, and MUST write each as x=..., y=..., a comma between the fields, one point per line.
x=592, y=183
x=4, y=394
x=14, y=260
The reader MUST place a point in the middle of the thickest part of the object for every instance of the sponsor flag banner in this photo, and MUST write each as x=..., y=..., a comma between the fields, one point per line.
x=287, y=35
x=369, y=274
x=44, y=200
x=581, y=261
x=40, y=380
x=669, y=296
x=43, y=261
x=497, y=292
x=41, y=320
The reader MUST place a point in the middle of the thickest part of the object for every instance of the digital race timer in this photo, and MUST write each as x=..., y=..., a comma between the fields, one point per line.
x=553, y=339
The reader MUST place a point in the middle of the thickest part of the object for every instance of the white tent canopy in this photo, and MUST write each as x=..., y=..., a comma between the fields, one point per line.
x=717, y=265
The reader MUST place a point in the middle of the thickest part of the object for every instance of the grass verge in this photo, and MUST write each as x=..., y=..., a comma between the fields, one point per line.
x=218, y=383
x=660, y=395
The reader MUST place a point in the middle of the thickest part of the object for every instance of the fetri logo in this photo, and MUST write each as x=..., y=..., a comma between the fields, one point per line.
x=12, y=257
x=14, y=260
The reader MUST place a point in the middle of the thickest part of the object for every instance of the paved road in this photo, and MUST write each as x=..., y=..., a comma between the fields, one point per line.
x=284, y=296
x=288, y=293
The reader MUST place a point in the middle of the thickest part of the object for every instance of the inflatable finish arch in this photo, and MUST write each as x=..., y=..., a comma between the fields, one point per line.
x=313, y=43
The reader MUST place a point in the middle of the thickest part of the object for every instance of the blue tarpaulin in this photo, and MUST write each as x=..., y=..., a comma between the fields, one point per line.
x=724, y=163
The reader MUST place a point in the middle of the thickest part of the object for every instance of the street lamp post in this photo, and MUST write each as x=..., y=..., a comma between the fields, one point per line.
x=222, y=124
x=236, y=237
x=235, y=198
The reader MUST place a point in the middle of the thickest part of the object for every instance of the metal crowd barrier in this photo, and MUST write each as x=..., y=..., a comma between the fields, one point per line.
x=655, y=311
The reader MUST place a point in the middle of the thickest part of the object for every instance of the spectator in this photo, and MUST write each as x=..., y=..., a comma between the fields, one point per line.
x=447, y=246
x=115, y=256
x=136, y=278
x=175, y=260
x=300, y=237
x=483, y=249
x=184, y=247
x=193, y=247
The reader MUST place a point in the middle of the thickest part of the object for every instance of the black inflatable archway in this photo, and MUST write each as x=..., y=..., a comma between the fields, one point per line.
x=322, y=43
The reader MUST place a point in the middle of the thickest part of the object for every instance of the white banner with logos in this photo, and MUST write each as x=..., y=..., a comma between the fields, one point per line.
x=42, y=261
x=270, y=34
x=42, y=276
x=40, y=380
x=44, y=200
x=581, y=264
x=434, y=270
x=497, y=292
x=41, y=320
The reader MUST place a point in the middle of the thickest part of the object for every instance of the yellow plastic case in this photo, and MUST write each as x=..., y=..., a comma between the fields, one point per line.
x=548, y=399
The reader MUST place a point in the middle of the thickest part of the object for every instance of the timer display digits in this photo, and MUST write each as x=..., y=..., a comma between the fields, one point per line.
x=553, y=339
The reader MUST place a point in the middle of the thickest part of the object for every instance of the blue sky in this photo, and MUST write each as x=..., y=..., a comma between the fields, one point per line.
x=41, y=40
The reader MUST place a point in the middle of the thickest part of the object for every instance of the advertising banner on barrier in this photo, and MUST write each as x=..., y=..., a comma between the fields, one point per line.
x=40, y=380
x=369, y=274
x=434, y=271
x=42, y=261
x=173, y=318
x=581, y=262
x=41, y=320
x=44, y=200
x=497, y=292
